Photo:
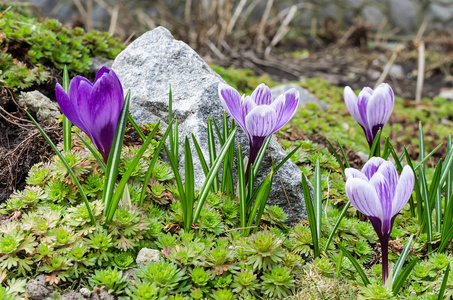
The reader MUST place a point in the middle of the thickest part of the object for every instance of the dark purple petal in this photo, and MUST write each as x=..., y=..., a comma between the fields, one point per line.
x=380, y=106
x=351, y=102
x=106, y=101
x=232, y=103
x=74, y=87
x=262, y=95
x=103, y=70
x=363, y=197
x=68, y=107
x=261, y=121
x=381, y=186
x=371, y=166
x=403, y=190
x=354, y=173
x=285, y=106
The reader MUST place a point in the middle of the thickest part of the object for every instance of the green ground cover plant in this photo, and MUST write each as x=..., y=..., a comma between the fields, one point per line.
x=204, y=251
x=33, y=49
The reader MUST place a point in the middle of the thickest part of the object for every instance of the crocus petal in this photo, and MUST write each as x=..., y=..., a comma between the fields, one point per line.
x=261, y=121
x=381, y=186
x=388, y=170
x=379, y=108
x=262, y=95
x=232, y=103
x=248, y=104
x=103, y=70
x=403, y=190
x=354, y=173
x=105, y=107
x=363, y=197
x=371, y=166
x=350, y=100
x=67, y=107
x=286, y=106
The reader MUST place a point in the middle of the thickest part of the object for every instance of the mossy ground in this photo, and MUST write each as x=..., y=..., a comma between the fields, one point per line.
x=45, y=228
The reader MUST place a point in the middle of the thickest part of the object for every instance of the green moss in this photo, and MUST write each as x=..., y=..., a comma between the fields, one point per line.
x=33, y=47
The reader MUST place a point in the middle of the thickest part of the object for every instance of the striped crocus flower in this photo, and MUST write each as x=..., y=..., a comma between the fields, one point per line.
x=378, y=193
x=257, y=114
x=372, y=109
x=94, y=107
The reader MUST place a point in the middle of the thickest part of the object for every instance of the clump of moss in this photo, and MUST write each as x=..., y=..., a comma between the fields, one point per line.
x=35, y=46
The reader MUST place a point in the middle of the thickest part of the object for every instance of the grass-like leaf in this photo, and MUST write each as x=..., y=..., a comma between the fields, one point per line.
x=153, y=163
x=136, y=127
x=337, y=157
x=335, y=227
x=375, y=147
x=242, y=189
x=311, y=215
x=444, y=284
x=398, y=283
x=287, y=157
x=113, y=202
x=317, y=194
x=211, y=175
x=111, y=172
x=67, y=138
x=355, y=264
x=212, y=154
x=93, y=151
x=402, y=259
x=70, y=171
x=189, y=185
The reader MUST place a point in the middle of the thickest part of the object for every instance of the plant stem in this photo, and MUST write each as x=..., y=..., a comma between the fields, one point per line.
x=385, y=259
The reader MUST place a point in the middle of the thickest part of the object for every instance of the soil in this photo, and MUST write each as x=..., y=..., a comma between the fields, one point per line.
x=350, y=61
x=21, y=145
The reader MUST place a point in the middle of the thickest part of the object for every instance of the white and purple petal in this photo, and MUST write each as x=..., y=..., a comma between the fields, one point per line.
x=381, y=186
x=363, y=197
x=232, y=103
x=262, y=95
x=354, y=173
x=403, y=190
x=351, y=102
x=286, y=106
x=371, y=166
x=261, y=121
x=380, y=107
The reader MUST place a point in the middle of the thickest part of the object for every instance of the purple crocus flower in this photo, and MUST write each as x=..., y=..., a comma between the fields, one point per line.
x=377, y=192
x=372, y=109
x=94, y=107
x=257, y=114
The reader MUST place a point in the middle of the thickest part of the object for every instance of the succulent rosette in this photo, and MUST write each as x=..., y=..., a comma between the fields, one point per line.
x=258, y=115
x=94, y=107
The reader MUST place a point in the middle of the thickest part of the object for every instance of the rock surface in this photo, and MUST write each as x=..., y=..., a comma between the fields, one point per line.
x=305, y=95
x=154, y=61
x=146, y=255
x=43, y=107
x=37, y=288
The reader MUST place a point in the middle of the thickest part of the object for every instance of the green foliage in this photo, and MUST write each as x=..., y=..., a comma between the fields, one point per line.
x=110, y=279
x=277, y=283
x=34, y=46
x=263, y=250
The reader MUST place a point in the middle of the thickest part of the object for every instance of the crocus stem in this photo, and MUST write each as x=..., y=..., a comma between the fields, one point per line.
x=385, y=259
x=252, y=157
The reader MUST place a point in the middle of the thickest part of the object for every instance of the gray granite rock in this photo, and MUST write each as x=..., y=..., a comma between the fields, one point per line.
x=43, y=107
x=146, y=255
x=154, y=61
x=305, y=95
x=37, y=288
